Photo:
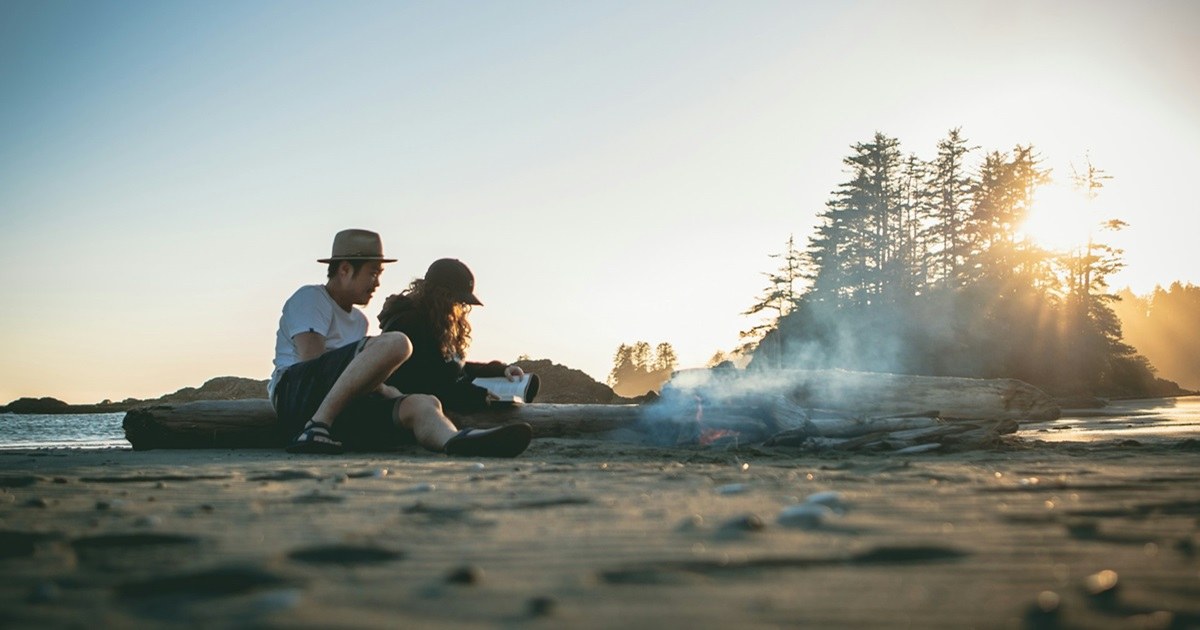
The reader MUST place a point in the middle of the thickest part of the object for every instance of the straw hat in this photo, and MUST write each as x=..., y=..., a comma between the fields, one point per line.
x=357, y=245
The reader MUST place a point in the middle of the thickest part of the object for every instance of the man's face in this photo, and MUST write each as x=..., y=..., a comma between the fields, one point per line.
x=362, y=284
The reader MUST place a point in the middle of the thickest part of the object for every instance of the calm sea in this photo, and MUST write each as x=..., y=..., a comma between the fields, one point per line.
x=86, y=430
x=1160, y=420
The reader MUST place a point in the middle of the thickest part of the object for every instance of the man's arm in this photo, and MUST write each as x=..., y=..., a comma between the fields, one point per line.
x=309, y=345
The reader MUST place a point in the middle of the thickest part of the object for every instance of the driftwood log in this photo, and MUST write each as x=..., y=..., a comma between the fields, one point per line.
x=697, y=406
x=251, y=423
x=870, y=394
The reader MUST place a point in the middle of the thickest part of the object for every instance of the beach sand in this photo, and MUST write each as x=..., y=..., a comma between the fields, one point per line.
x=589, y=533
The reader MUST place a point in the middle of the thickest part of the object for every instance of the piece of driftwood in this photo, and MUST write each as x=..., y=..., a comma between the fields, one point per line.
x=868, y=394
x=965, y=434
x=251, y=423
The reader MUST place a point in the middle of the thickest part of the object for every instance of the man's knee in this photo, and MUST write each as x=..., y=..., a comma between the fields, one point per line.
x=415, y=406
x=394, y=345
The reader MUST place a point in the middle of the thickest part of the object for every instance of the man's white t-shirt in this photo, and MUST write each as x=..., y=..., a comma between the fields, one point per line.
x=311, y=309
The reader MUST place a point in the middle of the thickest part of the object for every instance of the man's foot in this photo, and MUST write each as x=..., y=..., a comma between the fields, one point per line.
x=509, y=440
x=315, y=439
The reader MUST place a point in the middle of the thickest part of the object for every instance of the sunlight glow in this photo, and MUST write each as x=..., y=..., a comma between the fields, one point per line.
x=1062, y=219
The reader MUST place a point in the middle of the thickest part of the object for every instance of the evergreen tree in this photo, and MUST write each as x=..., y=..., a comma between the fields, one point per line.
x=950, y=189
x=664, y=358
x=857, y=250
x=780, y=296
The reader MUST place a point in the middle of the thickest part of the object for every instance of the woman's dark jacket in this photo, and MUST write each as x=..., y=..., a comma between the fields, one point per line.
x=427, y=371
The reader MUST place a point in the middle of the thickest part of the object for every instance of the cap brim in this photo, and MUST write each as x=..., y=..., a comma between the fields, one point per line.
x=382, y=260
x=470, y=298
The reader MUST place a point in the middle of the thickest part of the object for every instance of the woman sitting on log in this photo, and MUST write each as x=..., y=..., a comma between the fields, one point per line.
x=433, y=313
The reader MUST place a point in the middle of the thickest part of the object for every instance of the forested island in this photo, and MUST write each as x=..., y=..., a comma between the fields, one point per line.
x=920, y=267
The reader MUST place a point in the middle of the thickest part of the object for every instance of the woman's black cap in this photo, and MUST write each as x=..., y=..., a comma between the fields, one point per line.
x=452, y=274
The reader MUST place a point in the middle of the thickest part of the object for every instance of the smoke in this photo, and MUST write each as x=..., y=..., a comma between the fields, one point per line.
x=917, y=337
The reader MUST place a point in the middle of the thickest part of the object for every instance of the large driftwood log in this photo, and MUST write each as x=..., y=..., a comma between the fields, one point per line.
x=695, y=401
x=870, y=394
x=251, y=423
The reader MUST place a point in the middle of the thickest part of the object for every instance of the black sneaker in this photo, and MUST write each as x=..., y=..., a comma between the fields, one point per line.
x=509, y=440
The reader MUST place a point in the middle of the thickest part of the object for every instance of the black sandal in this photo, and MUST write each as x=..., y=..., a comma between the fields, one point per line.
x=509, y=440
x=316, y=439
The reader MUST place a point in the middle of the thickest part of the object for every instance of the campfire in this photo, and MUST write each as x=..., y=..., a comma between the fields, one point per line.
x=837, y=410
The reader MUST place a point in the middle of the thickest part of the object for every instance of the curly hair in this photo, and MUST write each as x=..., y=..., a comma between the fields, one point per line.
x=447, y=316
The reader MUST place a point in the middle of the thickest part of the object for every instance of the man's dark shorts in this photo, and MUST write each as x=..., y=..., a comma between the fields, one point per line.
x=365, y=424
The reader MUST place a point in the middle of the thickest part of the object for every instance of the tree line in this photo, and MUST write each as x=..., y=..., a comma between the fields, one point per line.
x=919, y=266
x=1162, y=326
x=637, y=369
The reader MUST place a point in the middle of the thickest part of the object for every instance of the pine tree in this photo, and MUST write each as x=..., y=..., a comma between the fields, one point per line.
x=950, y=190
x=779, y=298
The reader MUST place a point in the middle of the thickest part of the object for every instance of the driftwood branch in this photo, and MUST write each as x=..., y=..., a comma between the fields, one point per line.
x=251, y=423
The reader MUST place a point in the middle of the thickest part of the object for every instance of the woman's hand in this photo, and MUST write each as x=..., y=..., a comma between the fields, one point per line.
x=513, y=372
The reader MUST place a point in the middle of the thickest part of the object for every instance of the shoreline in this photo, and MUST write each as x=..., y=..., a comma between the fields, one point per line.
x=589, y=533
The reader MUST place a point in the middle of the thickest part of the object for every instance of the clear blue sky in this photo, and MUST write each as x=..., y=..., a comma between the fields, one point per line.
x=612, y=171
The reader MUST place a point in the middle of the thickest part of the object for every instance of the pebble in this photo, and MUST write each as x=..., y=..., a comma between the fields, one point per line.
x=421, y=487
x=1043, y=614
x=541, y=606
x=276, y=600
x=1102, y=587
x=805, y=515
x=830, y=498
x=691, y=523
x=37, y=502
x=732, y=488
x=44, y=593
x=744, y=523
x=468, y=574
x=149, y=520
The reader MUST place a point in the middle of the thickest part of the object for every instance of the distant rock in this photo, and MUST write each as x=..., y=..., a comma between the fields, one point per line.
x=36, y=405
x=219, y=388
x=561, y=384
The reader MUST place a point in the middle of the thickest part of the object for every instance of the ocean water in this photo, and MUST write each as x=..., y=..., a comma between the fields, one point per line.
x=1151, y=421
x=86, y=430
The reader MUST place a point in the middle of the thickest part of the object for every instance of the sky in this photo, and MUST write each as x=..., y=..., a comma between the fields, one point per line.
x=612, y=172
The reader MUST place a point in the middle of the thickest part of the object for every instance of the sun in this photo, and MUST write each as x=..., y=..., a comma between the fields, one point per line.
x=1061, y=218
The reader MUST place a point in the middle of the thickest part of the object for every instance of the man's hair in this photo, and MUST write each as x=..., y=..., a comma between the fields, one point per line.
x=355, y=265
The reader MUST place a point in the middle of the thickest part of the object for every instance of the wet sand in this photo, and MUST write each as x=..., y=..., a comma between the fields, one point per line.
x=595, y=534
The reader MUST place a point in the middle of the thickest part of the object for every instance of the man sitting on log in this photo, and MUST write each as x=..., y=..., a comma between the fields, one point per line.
x=328, y=384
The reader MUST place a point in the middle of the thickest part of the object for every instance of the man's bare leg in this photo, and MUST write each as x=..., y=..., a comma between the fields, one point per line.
x=368, y=370
x=422, y=414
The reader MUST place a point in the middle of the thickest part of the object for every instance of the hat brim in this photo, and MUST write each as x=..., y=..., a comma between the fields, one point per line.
x=468, y=298
x=340, y=258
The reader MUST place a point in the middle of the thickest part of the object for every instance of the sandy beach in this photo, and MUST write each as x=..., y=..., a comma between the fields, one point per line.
x=591, y=533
